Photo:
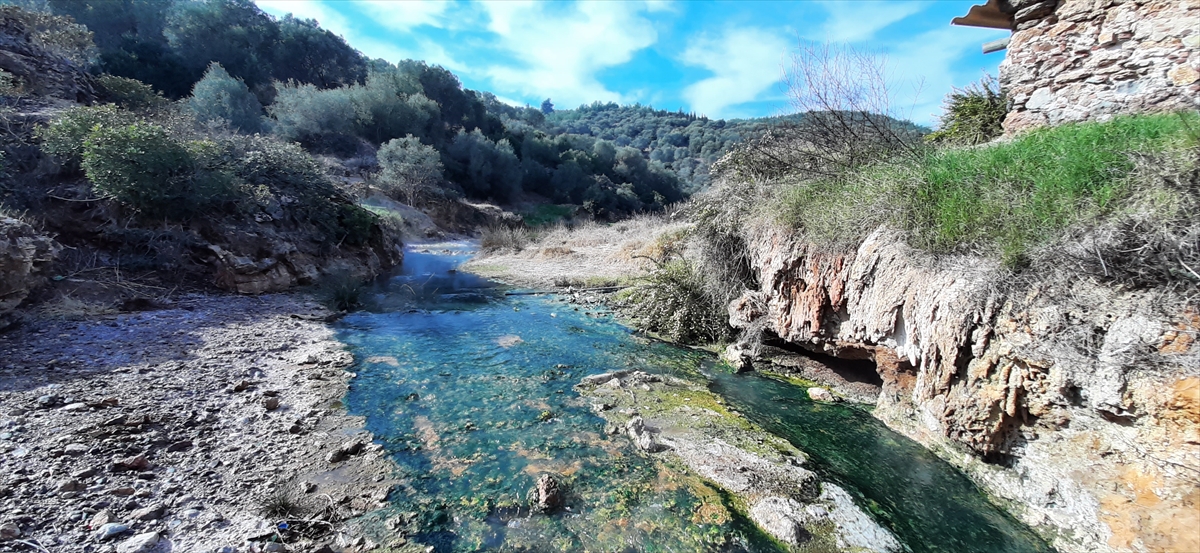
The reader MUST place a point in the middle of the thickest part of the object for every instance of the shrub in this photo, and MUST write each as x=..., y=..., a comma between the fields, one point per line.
x=130, y=93
x=10, y=85
x=341, y=291
x=311, y=116
x=288, y=177
x=972, y=115
x=501, y=237
x=220, y=96
x=408, y=168
x=140, y=166
x=64, y=137
x=674, y=303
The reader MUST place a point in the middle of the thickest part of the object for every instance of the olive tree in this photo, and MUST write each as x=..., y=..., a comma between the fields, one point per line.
x=409, y=168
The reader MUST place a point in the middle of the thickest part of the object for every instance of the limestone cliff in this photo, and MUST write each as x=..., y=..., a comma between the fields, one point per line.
x=1075, y=403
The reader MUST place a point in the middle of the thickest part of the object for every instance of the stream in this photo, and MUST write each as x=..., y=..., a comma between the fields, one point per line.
x=468, y=385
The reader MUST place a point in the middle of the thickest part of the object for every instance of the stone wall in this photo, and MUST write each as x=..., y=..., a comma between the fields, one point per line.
x=1078, y=60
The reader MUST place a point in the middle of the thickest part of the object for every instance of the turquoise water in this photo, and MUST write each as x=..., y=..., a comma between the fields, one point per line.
x=470, y=389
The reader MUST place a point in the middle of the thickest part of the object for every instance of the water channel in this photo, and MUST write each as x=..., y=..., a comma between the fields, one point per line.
x=468, y=385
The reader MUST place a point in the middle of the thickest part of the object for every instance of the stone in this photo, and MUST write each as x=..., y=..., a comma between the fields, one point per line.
x=1040, y=98
x=271, y=403
x=182, y=445
x=1183, y=75
x=141, y=543
x=122, y=492
x=821, y=394
x=153, y=512
x=109, y=530
x=549, y=494
x=101, y=518
x=133, y=463
x=273, y=547
x=9, y=531
x=347, y=449
x=69, y=486
x=75, y=450
x=641, y=436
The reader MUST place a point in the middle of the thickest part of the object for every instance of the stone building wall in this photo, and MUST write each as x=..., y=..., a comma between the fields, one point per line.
x=1078, y=60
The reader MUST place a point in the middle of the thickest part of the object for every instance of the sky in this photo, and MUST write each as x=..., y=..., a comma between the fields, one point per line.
x=718, y=59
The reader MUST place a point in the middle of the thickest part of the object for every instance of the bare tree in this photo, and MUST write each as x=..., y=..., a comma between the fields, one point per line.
x=844, y=117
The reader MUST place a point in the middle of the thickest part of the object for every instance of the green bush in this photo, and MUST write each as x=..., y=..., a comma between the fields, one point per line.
x=218, y=96
x=408, y=168
x=130, y=93
x=674, y=304
x=972, y=115
x=141, y=167
x=64, y=137
x=286, y=176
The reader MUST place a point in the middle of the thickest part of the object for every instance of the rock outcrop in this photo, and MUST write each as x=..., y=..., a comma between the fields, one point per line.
x=1076, y=60
x=41, y=71
x=1077, y=403
x=24, y=255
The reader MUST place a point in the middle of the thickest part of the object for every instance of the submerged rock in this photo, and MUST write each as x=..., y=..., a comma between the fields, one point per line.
x=821, y=394
x=549, y=495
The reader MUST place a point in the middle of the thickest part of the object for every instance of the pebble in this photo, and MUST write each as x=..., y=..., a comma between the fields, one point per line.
x=9, y=531
x=140, y=543
x=109, y=530
x=75, y=449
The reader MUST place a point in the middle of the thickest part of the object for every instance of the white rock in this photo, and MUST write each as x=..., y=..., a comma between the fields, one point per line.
x=820, y=394
x=109, y=530
x=141, y=543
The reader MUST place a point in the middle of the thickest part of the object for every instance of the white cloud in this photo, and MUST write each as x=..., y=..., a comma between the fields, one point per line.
x=858, y=21
x=745, y=62
x=304, y=9
x=558, y=50
x=428, y=51
x=921, y=70
x=402, y=16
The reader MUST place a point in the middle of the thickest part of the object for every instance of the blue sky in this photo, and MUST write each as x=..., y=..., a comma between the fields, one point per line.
x=720, y=59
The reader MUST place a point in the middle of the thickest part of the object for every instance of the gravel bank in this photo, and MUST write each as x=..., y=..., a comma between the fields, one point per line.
x=177, y=430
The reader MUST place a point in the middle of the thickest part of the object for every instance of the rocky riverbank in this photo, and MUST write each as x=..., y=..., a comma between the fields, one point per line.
x=214, y=424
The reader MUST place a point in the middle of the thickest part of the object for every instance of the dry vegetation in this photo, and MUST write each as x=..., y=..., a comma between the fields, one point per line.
x=584, y=255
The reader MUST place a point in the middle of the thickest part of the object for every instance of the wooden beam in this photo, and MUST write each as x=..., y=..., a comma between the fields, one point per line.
x=996, y=45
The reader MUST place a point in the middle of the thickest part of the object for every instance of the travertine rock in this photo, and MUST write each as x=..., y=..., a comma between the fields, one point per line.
x=1079, y=403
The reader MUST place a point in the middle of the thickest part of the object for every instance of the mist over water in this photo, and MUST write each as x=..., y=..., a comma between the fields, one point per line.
x=470, y=390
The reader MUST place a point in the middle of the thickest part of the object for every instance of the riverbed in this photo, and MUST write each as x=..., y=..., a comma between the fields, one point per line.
x=468, y=386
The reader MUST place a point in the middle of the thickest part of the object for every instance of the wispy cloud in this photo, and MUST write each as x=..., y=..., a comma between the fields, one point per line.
x=304, y=9
x=745, y=63
x=557, y=50
x=402, y=16
x=858, y=21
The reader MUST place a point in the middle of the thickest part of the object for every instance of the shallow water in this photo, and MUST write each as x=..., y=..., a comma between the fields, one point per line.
x=469, y=388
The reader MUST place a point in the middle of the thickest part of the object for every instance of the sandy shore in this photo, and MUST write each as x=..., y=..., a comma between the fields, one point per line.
x=199, y=427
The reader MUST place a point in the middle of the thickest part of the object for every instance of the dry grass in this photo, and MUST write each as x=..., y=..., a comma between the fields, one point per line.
x=71, y=309
x=586, y=252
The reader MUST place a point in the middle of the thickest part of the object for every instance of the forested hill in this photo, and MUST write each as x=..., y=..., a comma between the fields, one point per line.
x=228, y=61
x=683, y=142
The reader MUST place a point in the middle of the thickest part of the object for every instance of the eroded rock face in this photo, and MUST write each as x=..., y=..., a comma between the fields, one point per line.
x=1079, y=402
x=1076, y=60
x=24, y=255
x=264, y=261
x=42, y=72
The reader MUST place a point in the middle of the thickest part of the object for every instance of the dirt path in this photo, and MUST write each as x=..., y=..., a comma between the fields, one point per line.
x=192, y=428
